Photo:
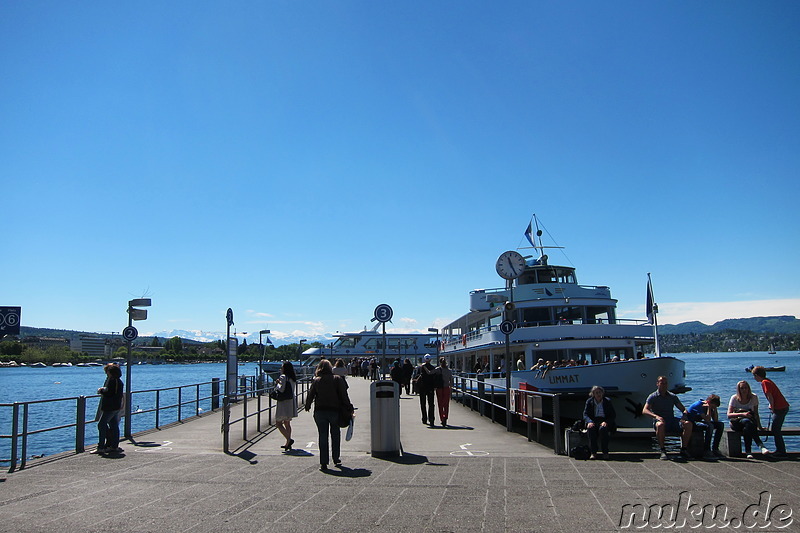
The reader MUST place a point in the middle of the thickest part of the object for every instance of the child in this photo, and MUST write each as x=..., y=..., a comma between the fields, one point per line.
x=703, y=413
x=777, y=404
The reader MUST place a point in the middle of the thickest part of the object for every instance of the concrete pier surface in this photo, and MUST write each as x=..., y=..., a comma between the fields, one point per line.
x=472, y=476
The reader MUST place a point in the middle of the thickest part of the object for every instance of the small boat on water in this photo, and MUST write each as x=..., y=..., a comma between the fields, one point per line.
x=781, y=368
x=38, y=365
x=563, y=337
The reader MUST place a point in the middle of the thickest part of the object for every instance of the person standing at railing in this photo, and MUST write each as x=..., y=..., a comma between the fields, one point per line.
x=111, y=403
x=286, y=409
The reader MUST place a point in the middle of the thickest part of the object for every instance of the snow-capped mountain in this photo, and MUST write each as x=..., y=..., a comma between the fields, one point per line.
x=277, y=338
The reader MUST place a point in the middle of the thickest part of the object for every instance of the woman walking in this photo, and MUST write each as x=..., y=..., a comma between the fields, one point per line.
x=286, y=409
x=111, y=403
x=328, y=394
x=443, y=389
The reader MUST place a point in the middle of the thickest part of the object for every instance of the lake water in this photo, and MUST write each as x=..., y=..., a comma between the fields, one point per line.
x=706, y=373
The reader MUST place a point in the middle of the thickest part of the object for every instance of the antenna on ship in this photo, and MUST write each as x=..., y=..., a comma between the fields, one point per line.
x=652, y=310
x=532, y=239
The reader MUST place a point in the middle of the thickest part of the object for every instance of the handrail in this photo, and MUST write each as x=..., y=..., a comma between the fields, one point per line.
x=244, y=397
x=162, y=415
x=483, y=393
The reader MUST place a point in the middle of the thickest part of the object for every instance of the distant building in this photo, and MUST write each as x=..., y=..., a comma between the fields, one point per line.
x=43, y=343
x=94, y=345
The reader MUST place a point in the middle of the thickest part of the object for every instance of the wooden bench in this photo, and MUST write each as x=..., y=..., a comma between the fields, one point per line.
x=732, y=440
x=574, y=438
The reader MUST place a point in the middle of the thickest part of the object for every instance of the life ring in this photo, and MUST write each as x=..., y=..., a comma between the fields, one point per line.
x=464, y=339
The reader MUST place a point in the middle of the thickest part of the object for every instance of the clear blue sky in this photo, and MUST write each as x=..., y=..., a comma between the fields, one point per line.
x=302, y=162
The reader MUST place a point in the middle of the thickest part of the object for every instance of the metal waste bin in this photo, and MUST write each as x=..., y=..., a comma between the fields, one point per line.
x=384, y=406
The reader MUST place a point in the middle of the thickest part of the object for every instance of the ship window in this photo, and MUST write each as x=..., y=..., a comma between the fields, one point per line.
x=347, y=342
x=568, y=315
x=619, y=353
x=597, y=315
x=373, y=344
x=536, y=316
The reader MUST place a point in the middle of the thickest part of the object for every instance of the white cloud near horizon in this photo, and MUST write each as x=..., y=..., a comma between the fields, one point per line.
x=710, y=312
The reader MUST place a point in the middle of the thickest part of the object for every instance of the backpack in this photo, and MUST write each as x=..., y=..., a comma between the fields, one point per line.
x=581, y=453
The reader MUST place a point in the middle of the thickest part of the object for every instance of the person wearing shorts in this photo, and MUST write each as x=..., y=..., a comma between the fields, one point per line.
x=660, y=407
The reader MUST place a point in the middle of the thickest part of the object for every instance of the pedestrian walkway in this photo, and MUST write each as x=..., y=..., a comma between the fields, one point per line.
x=471, y=476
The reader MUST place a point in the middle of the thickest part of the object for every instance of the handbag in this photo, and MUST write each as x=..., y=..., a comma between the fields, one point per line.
x=345, y=415
x=278, y=395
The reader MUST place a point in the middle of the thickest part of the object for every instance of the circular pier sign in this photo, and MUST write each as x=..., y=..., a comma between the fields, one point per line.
x=507, y=327
x=383, y=313
x=130, y=333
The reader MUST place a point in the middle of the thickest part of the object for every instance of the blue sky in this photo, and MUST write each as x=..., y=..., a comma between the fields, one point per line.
x=303, y=162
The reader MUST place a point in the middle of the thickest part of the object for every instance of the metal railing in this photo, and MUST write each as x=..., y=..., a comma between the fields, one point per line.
x=527, y=405
x=161, y=407
x=256, y=393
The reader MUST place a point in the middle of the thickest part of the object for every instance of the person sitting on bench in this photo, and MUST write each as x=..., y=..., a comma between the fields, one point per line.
x=659, y=406
x=703, y=414
x=743, y=416
x=600, y=419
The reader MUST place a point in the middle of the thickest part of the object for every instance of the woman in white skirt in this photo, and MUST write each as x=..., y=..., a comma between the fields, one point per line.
x=286, y=409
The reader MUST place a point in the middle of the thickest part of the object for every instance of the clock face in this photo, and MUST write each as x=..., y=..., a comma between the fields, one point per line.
x=510, y=265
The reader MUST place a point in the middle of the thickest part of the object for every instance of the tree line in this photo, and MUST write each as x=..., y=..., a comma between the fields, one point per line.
x=174, y=350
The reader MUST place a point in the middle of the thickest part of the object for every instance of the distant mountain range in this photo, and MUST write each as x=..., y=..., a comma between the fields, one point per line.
x=760, y=324
x=192, y=336
x=764, y=324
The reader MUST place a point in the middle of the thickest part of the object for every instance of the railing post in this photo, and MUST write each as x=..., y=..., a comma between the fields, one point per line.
x=180, y=400
x=557, y=424
x=80, y=425
x=481, y=392
x=197, y=400
x=244, y=415
x=226, y=419
x=158, y=407
x=14, y=435
x=214, y=393
x=24, y=435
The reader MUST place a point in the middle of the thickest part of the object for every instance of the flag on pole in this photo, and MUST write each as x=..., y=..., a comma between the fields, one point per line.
x=529, y=234
x=652, y=307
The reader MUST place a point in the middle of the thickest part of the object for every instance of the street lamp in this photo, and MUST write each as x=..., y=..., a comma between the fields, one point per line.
x=130, y=335
x=261, y=344
x=436, y=331
x=300, y=348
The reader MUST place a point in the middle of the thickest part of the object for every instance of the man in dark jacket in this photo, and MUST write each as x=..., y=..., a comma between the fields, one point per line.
x=425, y=389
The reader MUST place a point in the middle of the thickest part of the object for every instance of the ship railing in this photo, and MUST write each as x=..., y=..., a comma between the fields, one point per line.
x=67, y=419
x=489, y=399
x=251, y=409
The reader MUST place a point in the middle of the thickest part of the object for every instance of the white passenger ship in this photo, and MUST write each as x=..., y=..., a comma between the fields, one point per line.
x=559, y=321
x=369, y=343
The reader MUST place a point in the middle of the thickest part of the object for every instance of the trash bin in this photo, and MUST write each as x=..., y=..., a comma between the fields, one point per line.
x=385, y=418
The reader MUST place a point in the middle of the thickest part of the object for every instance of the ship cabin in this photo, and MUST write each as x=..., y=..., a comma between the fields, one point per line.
x=540, y=302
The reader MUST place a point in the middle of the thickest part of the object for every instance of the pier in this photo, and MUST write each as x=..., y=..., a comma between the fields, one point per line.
x=473, y=476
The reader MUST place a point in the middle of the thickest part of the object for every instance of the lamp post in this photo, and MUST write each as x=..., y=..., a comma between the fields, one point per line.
x=436, y=331
x=130, y=335
x=300, y=348
x=261, y=344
